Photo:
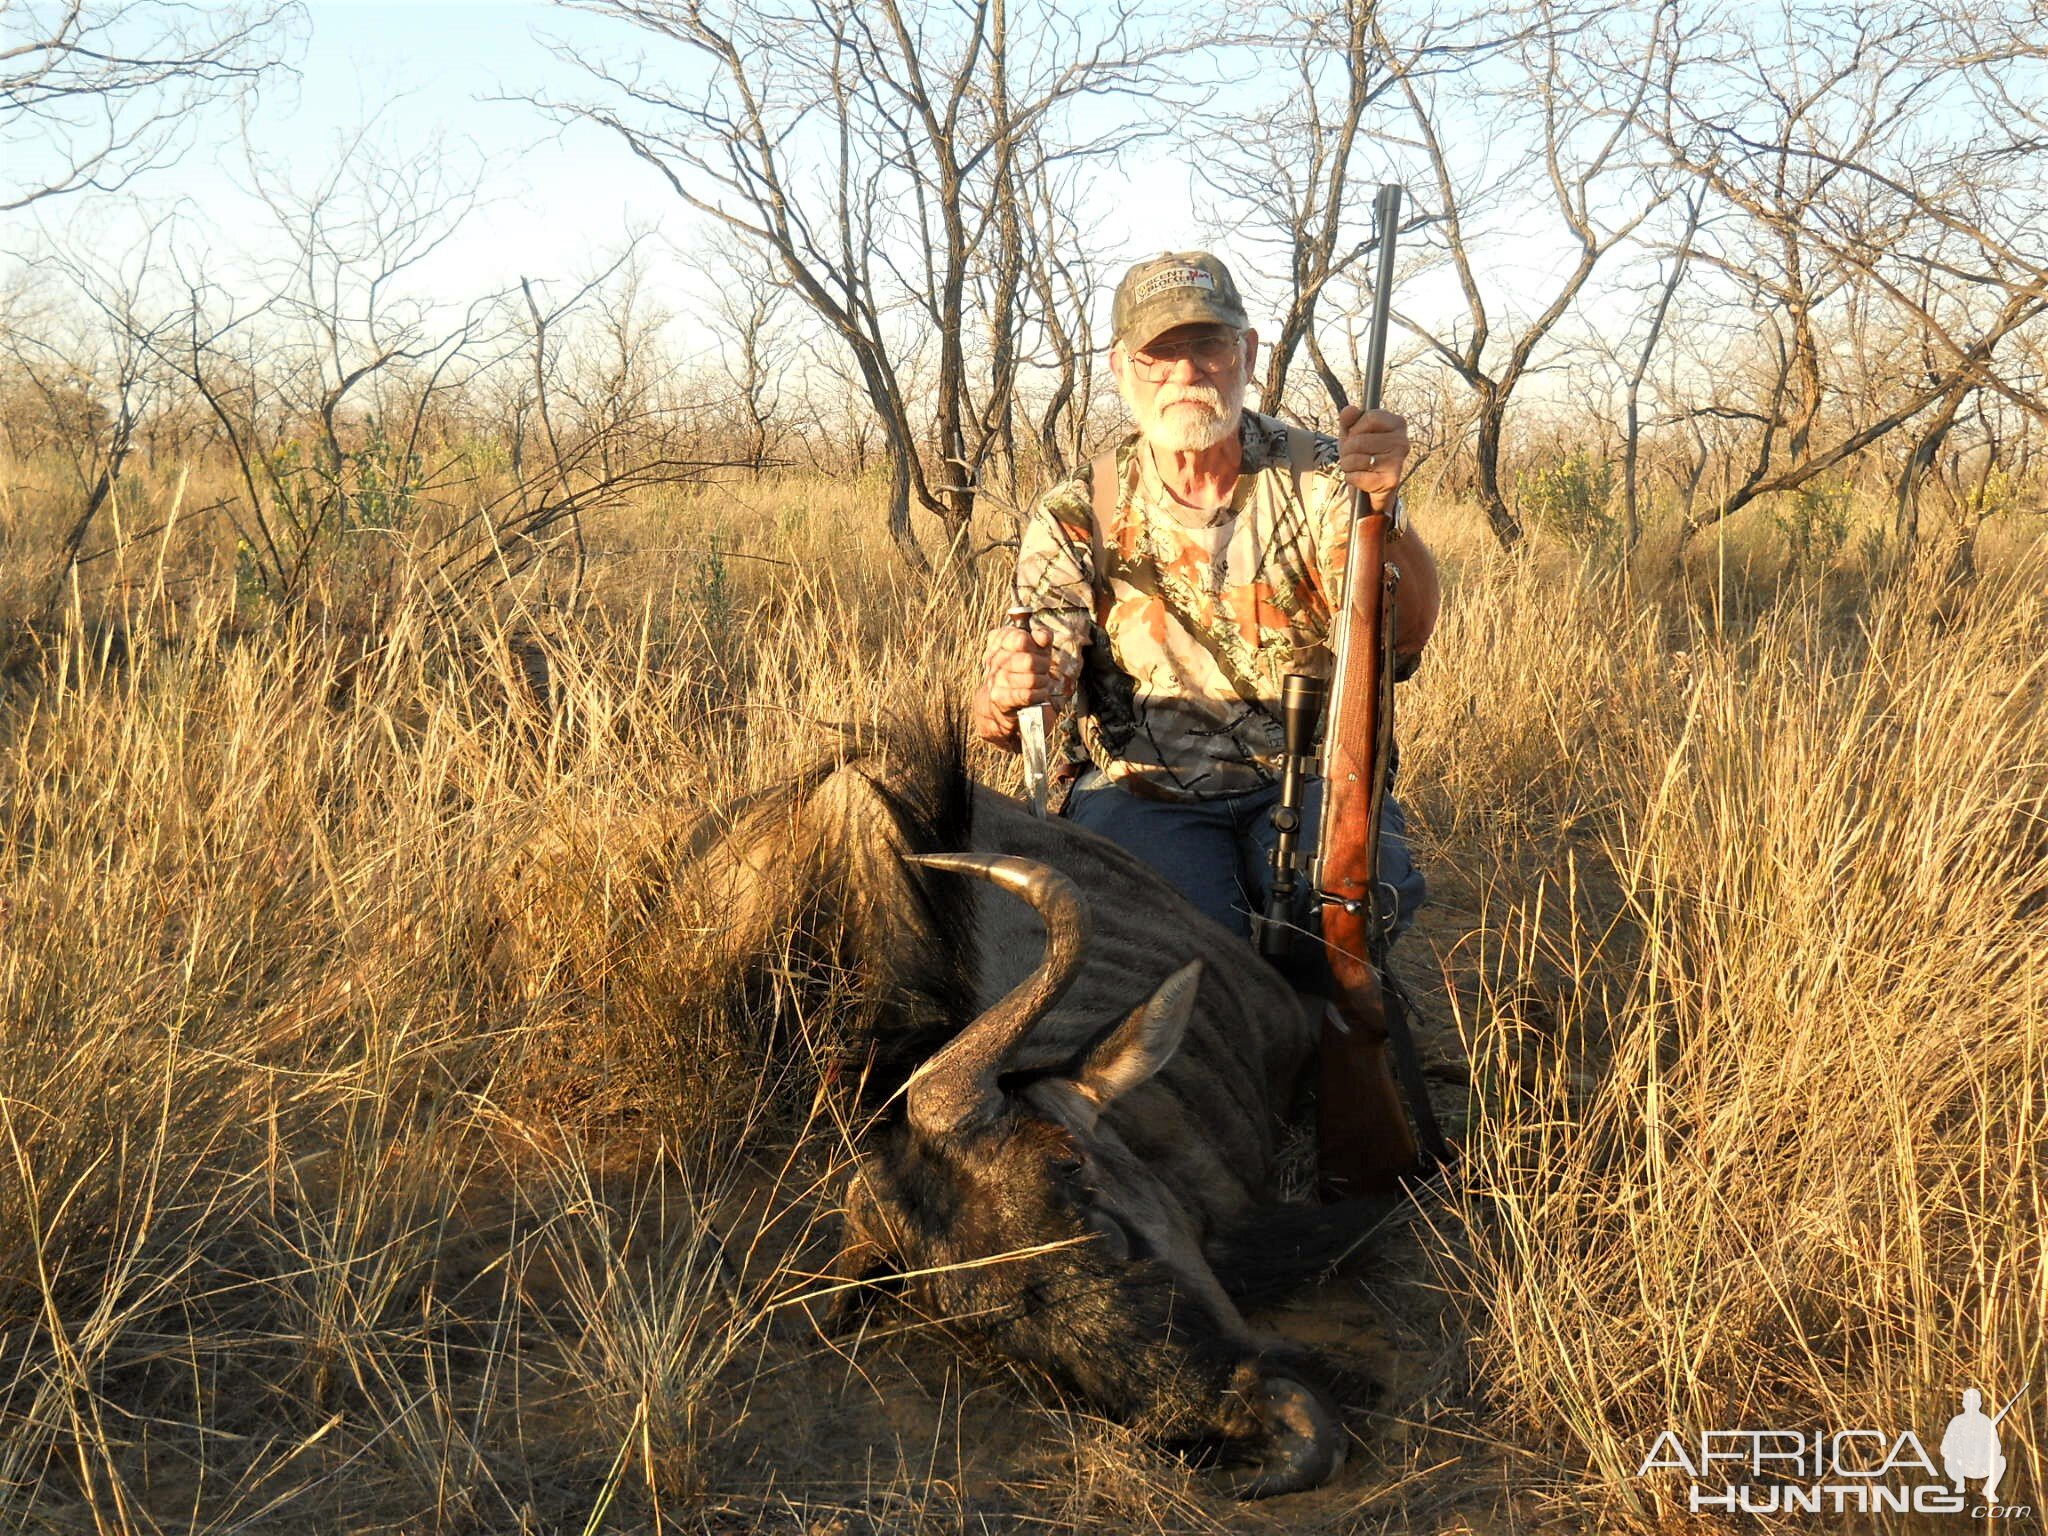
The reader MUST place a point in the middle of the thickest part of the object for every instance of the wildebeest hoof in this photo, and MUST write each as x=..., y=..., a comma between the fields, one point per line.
x=1304, y=1447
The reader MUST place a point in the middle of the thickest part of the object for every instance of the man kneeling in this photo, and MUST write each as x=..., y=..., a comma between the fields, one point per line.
x=1170, y=590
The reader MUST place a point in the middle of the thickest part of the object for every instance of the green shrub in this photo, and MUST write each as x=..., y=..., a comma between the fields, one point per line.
x=1569, y=498
x=1815, y=522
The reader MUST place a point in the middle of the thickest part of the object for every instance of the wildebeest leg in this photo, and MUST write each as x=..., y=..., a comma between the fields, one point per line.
x=1275, y=1250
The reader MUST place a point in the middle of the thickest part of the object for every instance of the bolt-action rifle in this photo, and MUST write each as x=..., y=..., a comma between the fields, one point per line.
x=1365, y=1137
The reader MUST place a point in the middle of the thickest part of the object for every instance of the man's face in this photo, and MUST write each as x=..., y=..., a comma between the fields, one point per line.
x=1185, y=387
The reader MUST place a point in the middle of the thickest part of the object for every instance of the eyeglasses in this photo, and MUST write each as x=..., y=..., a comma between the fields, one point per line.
x=1209, y=354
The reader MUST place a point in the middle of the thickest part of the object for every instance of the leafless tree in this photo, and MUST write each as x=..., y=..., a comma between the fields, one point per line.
x=1844, y=220
x=756, y=351
x=1653, y=334
x=96, y=377
x=92, y=95
x=1579, y=78
x=1065, y=277
x=1890, y=265
x=1286, y=177
x=324, y=338
x=623, y=376
x=340, y=395
x=879, y=153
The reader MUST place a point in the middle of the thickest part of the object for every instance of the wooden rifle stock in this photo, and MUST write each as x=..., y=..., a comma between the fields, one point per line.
x=1363, y=1136
x=1364, y=1139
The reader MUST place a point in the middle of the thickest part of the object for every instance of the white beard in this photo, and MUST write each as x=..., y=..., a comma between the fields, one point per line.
x=1188, y=418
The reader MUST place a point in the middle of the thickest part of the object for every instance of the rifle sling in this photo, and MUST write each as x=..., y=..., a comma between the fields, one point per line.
x=1400, y=1009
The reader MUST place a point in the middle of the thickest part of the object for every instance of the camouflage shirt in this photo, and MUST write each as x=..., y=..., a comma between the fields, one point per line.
x=1184, y=627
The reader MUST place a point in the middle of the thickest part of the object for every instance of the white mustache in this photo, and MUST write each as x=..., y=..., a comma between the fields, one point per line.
x=1213, y=413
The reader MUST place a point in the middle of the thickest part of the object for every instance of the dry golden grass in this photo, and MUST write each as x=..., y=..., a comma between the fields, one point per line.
x=1757, y=1013
x=374, y=1154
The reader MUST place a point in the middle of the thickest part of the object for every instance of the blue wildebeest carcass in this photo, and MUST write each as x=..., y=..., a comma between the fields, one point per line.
x=1073, y=1069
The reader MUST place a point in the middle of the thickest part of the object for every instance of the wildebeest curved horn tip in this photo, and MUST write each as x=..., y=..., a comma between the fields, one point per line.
x=959, y=1084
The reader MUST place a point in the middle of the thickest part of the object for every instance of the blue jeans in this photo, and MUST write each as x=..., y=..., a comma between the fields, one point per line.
x=1218, y=853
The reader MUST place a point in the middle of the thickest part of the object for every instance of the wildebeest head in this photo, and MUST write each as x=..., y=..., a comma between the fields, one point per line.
x=1008, y=1203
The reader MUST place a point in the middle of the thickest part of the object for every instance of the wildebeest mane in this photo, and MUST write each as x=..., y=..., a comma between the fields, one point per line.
x=808, y=881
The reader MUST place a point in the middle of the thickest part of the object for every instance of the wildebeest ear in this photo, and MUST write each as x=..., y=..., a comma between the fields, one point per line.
x=860, y=1270
x=1137, y=1048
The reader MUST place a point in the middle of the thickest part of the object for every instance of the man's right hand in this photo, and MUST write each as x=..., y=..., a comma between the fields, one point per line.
x=1017, y=672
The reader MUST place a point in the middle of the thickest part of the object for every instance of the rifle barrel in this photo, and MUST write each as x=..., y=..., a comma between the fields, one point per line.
x=1387, y=220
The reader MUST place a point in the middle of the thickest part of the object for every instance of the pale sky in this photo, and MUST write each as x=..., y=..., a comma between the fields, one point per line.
x=555, y=202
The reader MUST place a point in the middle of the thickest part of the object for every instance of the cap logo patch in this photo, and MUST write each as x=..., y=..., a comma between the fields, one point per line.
x=1172, y=277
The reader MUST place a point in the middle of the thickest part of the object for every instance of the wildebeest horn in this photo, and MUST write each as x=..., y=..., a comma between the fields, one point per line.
x=1306, y=1447
x=960, y=1081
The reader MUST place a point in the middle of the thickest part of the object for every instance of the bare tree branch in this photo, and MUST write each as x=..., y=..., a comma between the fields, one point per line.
x=93, y=95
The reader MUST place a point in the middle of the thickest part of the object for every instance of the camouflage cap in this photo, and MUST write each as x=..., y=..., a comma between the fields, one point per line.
x=1178, y=288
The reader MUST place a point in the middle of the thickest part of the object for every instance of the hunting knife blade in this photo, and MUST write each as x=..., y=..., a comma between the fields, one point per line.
x=1031, y=732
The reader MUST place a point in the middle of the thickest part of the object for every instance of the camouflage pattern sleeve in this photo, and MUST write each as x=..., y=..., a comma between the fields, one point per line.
x=1327, y=498
x=1056, y=575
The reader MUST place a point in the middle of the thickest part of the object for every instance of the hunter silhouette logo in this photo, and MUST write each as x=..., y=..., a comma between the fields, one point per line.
x=1969, y=1446
x=1844, y=1471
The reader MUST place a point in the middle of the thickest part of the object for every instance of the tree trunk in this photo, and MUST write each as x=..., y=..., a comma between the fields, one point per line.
x=899, y=506
x=1499, y=516
x=1906, y=496
x=102, y=491
x=1632, y=507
